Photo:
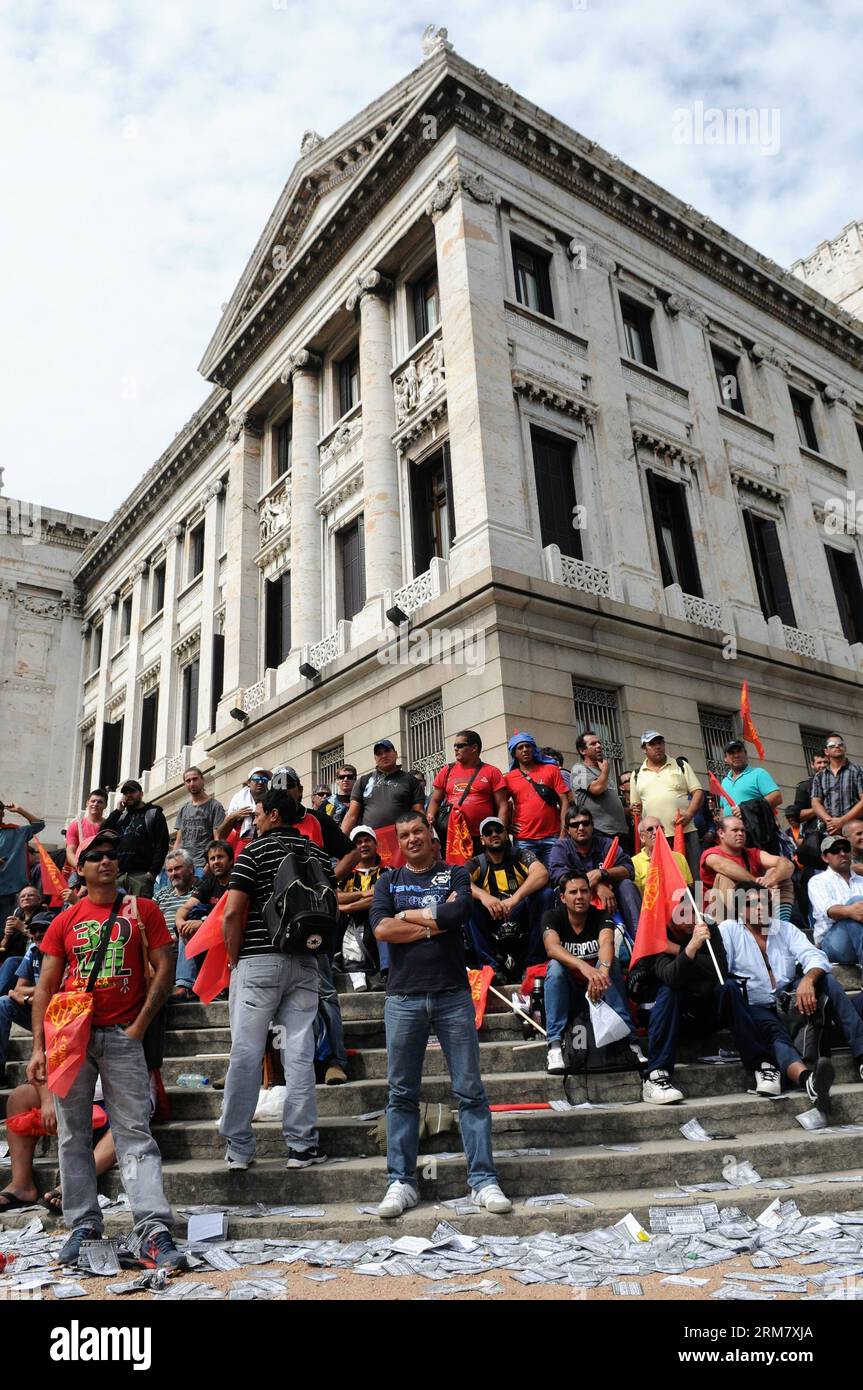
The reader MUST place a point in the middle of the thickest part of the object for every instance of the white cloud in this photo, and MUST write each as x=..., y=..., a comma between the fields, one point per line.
x=147, y=142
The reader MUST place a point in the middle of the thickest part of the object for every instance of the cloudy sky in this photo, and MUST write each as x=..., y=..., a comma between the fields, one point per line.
x=146, y=141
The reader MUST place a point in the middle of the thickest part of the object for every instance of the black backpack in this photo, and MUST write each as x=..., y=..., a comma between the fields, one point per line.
x=301, y=915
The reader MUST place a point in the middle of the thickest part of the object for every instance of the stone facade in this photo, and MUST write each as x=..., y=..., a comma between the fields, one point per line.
x=835, y=269
x=40, y=642
x=423, y=199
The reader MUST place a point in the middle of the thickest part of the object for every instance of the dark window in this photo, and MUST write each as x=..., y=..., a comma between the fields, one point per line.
x=677, y=560
x=353, y=555
x=848, y=591
x=189, y=712
x=860, y=435
x=149, y=721
x=432, y=511
x=112, y=743
x=426, y=306
x=196, y=551
x=532, y=282
x=770, y=577
x=157, y=590
x=726, y=368
x=802, y=407
x=278, y=619
x=217, y=689
x=96, y=649
x=637, y=333
x=284, y=446
x=125, y=619
x=349, y=381
x=813, y=741
x=555, y=491
x=87, y=773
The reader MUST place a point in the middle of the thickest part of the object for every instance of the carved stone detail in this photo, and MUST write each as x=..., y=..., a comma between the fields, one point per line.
x=344, y=437
x=587, y=579
x=463, y=181
x=302, y=361
x=275, y=514
x=662, y=446
x=149, y=679
x=214, y=490
x=346, y=488
x=434, y=41
x=834, y=395
x=191, y=642
x=422, y=378
x=700, y=610
x=762, y=354
x=241, y=422
x=254, y=696
x=589, y=252
x=372, y=282
x=680, y=304
x=310, y=141
x=554, y=394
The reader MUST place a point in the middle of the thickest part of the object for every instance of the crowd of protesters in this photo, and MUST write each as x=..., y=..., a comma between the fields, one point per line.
x=551, y=878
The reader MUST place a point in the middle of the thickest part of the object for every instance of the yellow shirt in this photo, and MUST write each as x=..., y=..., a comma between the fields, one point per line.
x=641, y=863
x=661, y=792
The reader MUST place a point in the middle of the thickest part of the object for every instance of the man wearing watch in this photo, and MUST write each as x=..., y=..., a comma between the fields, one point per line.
x=585, y=848
x=420, y=911
x=579, y=943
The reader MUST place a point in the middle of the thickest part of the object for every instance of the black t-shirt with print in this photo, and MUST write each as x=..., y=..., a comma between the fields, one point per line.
x=585, y=944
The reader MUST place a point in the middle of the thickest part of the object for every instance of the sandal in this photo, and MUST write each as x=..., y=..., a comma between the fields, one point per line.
x=53, y=1200
x=12, y=1202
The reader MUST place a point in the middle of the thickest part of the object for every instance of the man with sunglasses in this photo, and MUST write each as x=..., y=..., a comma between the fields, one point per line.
x=586, y=850
x=510, y=894
x=837, y=791
x=648, y=829
x=477, y=788
x=239, y=824
x=126, y=1000
x=340, y=802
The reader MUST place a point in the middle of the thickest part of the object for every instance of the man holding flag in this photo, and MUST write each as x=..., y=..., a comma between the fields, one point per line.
x=681, y=967
x=13, y=853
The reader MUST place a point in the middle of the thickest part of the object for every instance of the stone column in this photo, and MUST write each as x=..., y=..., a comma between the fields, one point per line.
x=209, y=604
x=489, y=491
x=102, y=687
x=165, y=722
x=132, y=717
x=381, y=511
x=306, y=560
x=242, y=576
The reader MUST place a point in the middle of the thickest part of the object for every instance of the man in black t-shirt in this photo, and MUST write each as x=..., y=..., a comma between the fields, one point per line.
x=509, y=893
x=420, y=910
x=380, y=797
x=579, y=942
x=269, y=987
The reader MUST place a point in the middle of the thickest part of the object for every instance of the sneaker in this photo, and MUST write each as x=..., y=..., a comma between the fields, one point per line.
x=238, y=1165
x=335, y=1075
x=768, y=1082
x=492, y=1199
x=859, y=1062
x=304, y=1158
x=638, y=1054
x=554, y=1065
x=358, y=981
x=158, y=1251
x=400, y=1198
x=658, y=1090
x=818, y=1083
x=72, y=1249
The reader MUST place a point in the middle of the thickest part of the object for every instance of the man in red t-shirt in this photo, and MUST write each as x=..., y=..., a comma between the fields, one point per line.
x=729, y=866
x=477, y=788
x=539, y=817
x=126, y=999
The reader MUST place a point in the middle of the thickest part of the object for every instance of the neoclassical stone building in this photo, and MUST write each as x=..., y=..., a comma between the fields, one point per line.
x=480, y=372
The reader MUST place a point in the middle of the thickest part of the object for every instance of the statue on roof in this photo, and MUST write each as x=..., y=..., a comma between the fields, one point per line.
x=435, y=40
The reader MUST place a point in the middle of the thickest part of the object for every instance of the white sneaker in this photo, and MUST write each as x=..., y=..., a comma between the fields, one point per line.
x=400, y=1198
x=658, y=1090
x=768, y=1082
x=358, y=981
x=554, y=1066
x=238, y=1165
x=492, y=1199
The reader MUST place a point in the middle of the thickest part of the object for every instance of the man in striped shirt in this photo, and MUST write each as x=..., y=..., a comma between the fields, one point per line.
x=269, y=987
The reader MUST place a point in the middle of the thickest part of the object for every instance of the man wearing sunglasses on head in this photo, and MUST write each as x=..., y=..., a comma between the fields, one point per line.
x=126, y=999
x=477, y=788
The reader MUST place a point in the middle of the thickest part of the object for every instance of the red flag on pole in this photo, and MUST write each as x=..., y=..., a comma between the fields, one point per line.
x=719, y=791
x=750, y=733
x=388, y=847
x=608, y=863
x=479, y=981
x=679, y=836
x=663, y=888
x=213, y=975
x=459, y=841
x=54, y=884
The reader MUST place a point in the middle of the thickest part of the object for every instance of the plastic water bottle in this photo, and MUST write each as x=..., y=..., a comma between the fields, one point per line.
x=193, y=1079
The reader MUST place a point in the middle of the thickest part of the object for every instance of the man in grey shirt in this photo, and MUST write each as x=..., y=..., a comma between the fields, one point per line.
x=590, y=789
x=197, y=820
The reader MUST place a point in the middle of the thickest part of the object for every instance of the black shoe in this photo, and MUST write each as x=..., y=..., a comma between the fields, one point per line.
x=72, y=1249
x=304, y=1158
x=158, y=1251
x=818, y=1083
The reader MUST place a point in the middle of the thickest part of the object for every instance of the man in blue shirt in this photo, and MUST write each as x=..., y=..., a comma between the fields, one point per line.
x=13, y=854
x=743, y=782
x=585, y=849
x=15, y=1006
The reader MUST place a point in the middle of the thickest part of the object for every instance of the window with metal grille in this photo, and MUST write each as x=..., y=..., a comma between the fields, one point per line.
x=678, y=562
x=848, y=590
x=813, y=741
x=329, y=760
x=717, y=729
x=726, y=368
x=555, y=491
x=532, y=280
x=770, y=577
x=637, y=333
x=802, y=407
x=597, y=712
x=425, y=737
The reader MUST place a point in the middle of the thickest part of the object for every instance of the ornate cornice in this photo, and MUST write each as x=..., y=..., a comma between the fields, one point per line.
x=344, y=488
x=149, y=678
x=460, y=181
x=115, y=702
x=302, y=361
x=242, y=422
x=663, y=446
x=763, y=487
x=554, y=395
x=341, y=440
x=765, y=354
x=680, y=304
x=372, y=283
x=189, y=643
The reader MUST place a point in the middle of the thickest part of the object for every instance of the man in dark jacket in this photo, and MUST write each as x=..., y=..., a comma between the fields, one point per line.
x=585, y=849
x=144, y=838
x=688, y=992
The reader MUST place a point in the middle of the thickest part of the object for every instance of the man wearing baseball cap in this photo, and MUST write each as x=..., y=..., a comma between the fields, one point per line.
x=743, y=782
x=661, y=788
x=380, y=797
x=509, y=897
x=144, y=839
x=356, y=892
x=241, y=807
x=836, y=899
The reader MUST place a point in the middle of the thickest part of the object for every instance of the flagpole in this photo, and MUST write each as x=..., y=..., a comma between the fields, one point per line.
x=517, y=1010
x=708, y=944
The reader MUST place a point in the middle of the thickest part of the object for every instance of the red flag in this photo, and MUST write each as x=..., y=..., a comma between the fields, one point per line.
x=635, y=839
x=459, y=841
x=533, y=973
x=719, y=791
x=663, y=888
x=750, y=733
x=388, y=847
x=608, y=862
x=213, y=975
x=525, y=1105
x=479, y=981
x=679, y=837
x=54, y=884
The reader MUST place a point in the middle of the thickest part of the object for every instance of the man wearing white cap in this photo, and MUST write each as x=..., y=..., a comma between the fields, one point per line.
x=356, y=892
x=661, y=788
x=241, y=808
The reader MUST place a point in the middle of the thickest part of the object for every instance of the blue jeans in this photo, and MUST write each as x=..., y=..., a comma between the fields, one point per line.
x=409, y=1018
x=528, y=914
x=187, y=966
x=328, y=1003
x=725, y=1008
x=8, y=971
x=842, y=943
x=11, y=1012
x=564, y=989
x=541, y=848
